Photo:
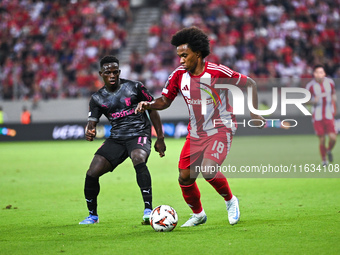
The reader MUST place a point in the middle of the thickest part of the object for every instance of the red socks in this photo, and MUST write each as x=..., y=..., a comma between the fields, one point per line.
x=220, y=183
x=323, y=152
x=192, y=196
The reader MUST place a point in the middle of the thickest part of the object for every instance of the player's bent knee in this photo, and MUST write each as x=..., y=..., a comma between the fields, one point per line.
x=99, y=166
x=138, y=157
x=332, y=137
x=322, y=139
x=184, y=178
x=137, y=160
x=182, y=181
x=185, y=181
x=93, y=173
x=209, y=176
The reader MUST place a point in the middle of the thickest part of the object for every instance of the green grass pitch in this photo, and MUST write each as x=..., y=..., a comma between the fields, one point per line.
x=41, y=203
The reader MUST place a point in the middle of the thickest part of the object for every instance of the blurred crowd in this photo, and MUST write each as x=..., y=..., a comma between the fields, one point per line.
x=50, y=49
x=277, y=42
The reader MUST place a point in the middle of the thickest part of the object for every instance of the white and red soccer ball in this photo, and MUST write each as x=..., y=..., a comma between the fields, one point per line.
x=163, y=218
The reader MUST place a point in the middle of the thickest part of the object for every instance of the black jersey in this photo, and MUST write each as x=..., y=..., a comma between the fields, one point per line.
x=119, y=109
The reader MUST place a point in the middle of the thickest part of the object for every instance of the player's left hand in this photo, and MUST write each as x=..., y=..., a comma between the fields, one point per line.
x=259, y=121
x=160, y=147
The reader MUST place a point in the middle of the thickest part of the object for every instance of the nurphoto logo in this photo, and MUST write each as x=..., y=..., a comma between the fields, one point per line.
x=238, y=103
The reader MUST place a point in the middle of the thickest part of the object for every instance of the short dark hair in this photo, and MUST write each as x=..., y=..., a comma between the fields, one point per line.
x=108, y=59
x=196, y=39
x=318, y=66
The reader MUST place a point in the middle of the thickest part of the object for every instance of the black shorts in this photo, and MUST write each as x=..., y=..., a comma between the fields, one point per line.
x=116, y=151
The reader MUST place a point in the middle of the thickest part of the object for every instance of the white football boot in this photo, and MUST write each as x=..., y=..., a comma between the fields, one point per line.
x=196, y=219
x=233, y=210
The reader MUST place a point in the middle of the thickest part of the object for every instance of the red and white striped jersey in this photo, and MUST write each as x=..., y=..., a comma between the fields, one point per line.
x=324, y=109
x=194, y=88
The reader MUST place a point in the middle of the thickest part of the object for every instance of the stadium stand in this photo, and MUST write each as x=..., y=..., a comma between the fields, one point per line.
x=276, y=42
x=50, y=49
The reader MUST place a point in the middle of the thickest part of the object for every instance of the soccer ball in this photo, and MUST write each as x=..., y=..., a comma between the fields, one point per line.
x=163, y=218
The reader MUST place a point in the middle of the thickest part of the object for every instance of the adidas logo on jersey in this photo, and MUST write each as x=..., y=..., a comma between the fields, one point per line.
x=185, y=88
x=216, y=155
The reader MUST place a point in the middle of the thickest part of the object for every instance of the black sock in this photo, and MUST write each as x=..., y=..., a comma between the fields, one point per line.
x=144, y=183
x=91, y=191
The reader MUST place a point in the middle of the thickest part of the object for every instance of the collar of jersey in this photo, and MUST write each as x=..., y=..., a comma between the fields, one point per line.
x=197, y=76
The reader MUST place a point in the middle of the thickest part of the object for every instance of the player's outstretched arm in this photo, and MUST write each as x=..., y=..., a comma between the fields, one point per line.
x=157, y=123
x=160, y=103
x=251, y=83
x=90, y=130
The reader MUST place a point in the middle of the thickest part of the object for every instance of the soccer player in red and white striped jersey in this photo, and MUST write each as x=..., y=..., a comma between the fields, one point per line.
x=207, y=143
x=323, y=99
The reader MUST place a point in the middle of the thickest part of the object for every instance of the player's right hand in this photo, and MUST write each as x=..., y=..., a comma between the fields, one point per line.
x=90, y=134
x=142, y=106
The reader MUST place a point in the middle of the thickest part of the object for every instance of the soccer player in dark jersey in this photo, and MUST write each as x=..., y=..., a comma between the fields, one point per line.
x=130, y=134
x=207, y=144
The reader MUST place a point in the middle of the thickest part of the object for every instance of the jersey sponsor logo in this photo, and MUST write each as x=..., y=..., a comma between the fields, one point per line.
x=128, y=101
x=197, y=101
x=121, y=114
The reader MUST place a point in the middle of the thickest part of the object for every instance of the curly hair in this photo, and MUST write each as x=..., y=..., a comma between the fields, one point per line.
x=318, y=66
x=108, y=59
x=196, y=39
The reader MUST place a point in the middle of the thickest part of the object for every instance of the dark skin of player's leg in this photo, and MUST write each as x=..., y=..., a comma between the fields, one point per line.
x=208, y=175
x=138, y=156
x=101, y=165
x=188, y=176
